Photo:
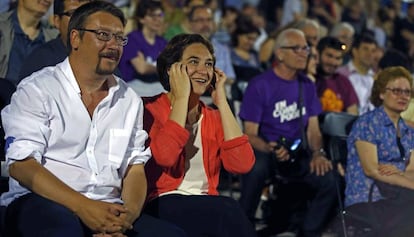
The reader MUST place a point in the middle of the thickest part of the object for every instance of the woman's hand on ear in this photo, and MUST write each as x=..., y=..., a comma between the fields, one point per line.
x=219, y=92
x=179, y=81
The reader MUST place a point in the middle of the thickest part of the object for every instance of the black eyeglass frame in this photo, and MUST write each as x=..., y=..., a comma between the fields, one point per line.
x=297, y=48
x=106, y=36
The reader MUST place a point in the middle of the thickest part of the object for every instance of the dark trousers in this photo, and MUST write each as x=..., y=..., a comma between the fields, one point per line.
x=386, y=217
x=323, y=191
x=203, y=215
x=33, y=215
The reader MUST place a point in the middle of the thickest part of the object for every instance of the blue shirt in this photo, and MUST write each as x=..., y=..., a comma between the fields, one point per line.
x=223, y=58
x=22, y=47
x=377, y=128
x=49, y=54
x=4, y=5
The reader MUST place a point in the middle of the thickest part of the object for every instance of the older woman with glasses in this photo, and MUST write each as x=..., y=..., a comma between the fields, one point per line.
x=380, y=146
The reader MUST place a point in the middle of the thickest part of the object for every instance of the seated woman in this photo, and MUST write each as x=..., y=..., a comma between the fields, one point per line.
x=190, y=142
x=243, y=55
x=138, y=61
x=380, y=145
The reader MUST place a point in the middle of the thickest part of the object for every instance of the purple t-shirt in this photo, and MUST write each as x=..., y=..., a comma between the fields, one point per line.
x=137, y=42
x=336, y=93
x=273, y=103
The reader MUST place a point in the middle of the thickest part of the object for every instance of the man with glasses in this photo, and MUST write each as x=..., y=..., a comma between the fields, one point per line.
x=202, y=22
x=75, y=141
x=335, y=91
x=280, y=111
x=21, y=31
x=54, y=51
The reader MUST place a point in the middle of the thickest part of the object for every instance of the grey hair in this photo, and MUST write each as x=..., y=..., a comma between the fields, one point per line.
x=306, y=22
x=339, y=27
x=282, y=38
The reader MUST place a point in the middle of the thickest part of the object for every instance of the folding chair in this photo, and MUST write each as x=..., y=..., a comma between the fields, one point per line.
x=336, y=127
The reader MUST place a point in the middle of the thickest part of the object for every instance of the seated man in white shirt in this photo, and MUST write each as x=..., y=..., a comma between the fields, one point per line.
x=75, y=141
x=360, y=70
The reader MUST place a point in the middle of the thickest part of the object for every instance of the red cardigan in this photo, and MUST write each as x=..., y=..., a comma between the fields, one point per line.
x=167, y=139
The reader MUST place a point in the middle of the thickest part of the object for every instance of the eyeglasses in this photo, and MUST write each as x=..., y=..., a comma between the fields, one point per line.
x=399, y=91
x=107, y=36
x=156, y=15
x=297, y=48
x=67, y=13
x=202, y=20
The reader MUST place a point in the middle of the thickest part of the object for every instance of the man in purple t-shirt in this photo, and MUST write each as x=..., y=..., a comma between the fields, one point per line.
x=335, y=91
x=271, y=112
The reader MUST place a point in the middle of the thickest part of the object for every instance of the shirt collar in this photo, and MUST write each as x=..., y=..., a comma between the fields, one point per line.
x=386, y=121
x=70, y=77
x=352, y=69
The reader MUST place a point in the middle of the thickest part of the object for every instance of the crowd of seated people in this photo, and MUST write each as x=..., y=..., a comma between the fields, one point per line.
x=284, y=63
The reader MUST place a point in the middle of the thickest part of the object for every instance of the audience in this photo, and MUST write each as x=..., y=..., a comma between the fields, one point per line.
x=190, y=142
x=354, y=14
x=360, y=70
x=227, y=25
x=380, y=152
x=201, y=22
x=138, y=63
x=293, y=11
x=345, y=33
x=73, y=171
x=335, y=91
x=312, y=62
x=5, y=5
x=404, y=33
x=54, y=51
x=22, y=31
x=183, y=24
x=310, y=28
x=243, y=38
x=277, y=107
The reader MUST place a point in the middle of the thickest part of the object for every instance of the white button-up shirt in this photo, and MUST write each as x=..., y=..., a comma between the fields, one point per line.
x=362, y=85
x=47, y=120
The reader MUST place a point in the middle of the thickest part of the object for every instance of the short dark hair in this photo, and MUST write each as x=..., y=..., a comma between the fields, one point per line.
x=330, y=42
x=190, y=14
x=363, y=38
x=393, y=57
x=144, y=7
x=59, y=6
x=80, y=16
x=244, y=25
x=173, y=53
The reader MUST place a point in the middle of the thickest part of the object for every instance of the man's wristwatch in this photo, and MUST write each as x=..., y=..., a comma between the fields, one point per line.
x=320, y=152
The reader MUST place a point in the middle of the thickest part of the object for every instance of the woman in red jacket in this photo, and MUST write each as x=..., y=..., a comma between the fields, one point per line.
x=190, y=142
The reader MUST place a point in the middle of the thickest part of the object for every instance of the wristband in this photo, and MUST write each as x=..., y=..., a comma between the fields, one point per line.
x=321, y=152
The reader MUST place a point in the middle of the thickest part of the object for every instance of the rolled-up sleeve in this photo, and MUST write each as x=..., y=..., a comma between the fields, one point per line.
x=25, y=121
x=138, y=153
